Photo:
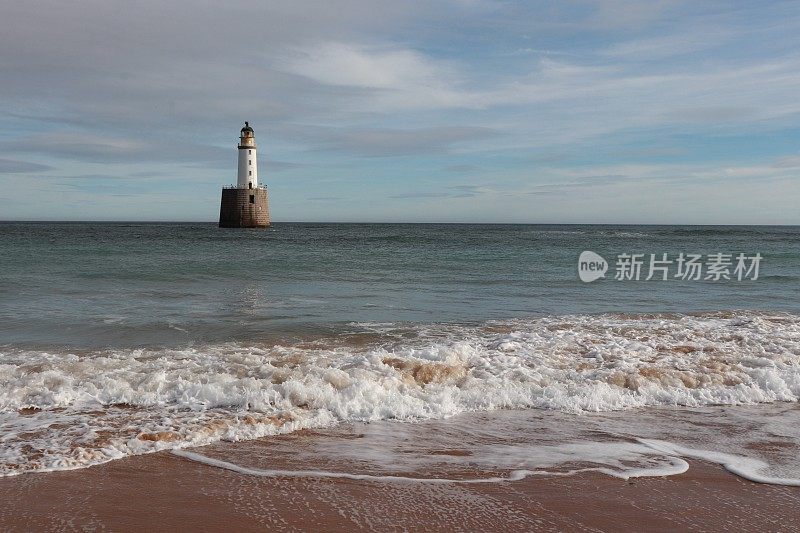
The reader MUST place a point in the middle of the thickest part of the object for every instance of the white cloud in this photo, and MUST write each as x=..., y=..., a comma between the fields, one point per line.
x=669, y=176
x=629, y=14
x=561, y=100
x=392, y=77
x=663, y=46
x=791, y=161
x=360, y=66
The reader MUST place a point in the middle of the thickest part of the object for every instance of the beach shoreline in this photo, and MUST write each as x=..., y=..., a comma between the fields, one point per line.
x=164, y=492
x=505, y=470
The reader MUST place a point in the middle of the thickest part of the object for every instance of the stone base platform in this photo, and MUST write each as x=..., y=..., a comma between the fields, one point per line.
x=244, y=208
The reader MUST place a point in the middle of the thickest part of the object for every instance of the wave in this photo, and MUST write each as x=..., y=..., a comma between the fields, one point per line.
x=63, y=410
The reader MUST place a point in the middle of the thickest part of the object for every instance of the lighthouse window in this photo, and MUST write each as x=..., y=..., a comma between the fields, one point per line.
x=249, y=161
x=252, y=198
x=249, y=152
x=249, y=172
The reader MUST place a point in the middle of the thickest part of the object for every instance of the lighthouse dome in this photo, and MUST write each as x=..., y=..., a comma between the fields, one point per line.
x=247, y=128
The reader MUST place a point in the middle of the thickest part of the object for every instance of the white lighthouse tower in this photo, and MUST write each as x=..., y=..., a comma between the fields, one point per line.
x=248, y=164
x=245, y=205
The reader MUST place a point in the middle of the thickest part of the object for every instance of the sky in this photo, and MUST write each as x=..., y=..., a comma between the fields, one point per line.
x=577, y=111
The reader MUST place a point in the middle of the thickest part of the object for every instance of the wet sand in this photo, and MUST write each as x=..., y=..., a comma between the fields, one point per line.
x=164, y=492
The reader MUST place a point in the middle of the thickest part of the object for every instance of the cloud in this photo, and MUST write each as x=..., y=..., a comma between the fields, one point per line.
x=790, y=161
x=420, y=195
x=461, y=168
x=584, y=182
x=619, y=179
x=120, y=176
x=467, y=191
x=271, y=165
x=628, y=14
x=710, y=114
x=111, y=149
x=453, y=191
x=350, y=65
x=156, y=70
x=394, y=142
x=9, y=166
x=188, y=64
x=693, y=39
x=388, y=77
x=106, y=185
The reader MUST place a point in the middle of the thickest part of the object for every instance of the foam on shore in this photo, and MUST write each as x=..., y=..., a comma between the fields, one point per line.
x=624, y=460
x=745, y=467
x=666, y=466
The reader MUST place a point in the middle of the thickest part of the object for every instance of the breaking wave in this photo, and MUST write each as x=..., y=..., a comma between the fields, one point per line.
x=70, y=410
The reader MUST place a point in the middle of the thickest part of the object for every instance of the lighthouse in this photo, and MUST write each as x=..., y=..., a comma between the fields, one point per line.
x=248, y=165
x=245, y=205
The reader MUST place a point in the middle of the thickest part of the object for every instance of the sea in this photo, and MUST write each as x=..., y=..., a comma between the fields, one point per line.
x=120, y=339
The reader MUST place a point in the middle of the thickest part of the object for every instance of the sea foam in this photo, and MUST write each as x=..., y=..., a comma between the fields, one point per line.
x=624, y=460
x=63, y=410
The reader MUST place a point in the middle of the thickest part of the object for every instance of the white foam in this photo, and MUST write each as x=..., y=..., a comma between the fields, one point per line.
x=666, y=466
x=624, y=460
x=746, y=467
x=621, y=459
x=516, y=475
x=97, y=406
x=675, y=466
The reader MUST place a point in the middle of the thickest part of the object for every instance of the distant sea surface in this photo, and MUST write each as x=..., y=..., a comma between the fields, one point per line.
x=125, y=285
x=123, y=338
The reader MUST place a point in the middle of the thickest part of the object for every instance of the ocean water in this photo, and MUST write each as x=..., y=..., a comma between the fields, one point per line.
x=120, y=339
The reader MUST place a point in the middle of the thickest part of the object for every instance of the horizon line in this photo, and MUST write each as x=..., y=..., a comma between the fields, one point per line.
x=400, y=223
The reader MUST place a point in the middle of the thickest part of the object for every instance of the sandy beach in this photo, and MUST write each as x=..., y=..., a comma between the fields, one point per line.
x=419, y=477
x=163, y=492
